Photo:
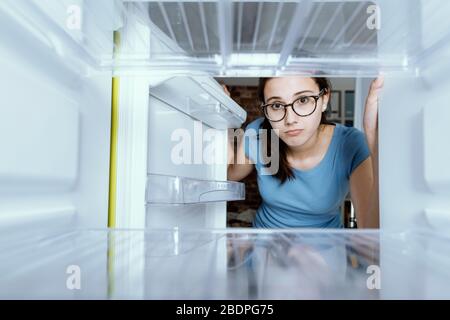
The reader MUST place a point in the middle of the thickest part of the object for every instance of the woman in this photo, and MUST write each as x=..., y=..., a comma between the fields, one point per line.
x=319, y=162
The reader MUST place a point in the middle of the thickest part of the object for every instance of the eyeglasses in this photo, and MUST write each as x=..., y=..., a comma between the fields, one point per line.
x=303, y=106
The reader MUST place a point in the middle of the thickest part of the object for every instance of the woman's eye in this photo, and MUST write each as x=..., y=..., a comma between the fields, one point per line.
x=277, y=106
x=303, y=100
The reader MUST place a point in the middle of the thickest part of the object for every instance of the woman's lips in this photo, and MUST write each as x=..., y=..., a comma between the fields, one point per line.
x=293, y=133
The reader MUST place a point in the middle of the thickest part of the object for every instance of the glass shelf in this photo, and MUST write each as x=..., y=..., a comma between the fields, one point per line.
x=164, y=189
x=240, y=38
x=226, y=264
x=250, y=38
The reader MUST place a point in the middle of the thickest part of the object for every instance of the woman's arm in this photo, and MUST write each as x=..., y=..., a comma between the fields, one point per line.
x=239, y=166
x=364, y=187
x=364, y=195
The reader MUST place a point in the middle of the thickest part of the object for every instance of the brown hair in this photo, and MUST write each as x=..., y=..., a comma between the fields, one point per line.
x=285, y=171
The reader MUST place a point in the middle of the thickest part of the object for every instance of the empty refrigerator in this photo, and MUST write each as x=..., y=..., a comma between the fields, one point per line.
x=83, y=186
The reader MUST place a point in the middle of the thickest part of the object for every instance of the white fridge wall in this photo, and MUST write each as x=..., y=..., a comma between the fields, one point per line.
x=414, y=154
x=414, y=157
x=55, y=132
x=414, y=171
x=166, y=127
x=131, y=152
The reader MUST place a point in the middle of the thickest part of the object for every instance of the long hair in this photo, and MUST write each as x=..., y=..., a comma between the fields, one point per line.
x=284, y=169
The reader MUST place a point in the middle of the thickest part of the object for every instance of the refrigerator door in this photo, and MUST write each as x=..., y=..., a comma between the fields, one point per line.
x=187, y=138
x=413, y=133
x=54, y=120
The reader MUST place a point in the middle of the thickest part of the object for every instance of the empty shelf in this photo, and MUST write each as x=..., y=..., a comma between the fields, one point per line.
x=166, y=189
x=335, y=38
x=201, y=98
x=225, y=264
x=237, y=38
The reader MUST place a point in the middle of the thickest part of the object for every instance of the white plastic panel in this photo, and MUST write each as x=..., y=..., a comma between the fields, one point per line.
x=181, y=190
x=412, y=129
x=78, y=32
x=180, y=145
x=54, y=128
x=205, y=216
x=412, y=152
x=435, y=32
x=39, y=134
x=176, y=143
x=225, y=264
x=436, y=156
x=131, y=152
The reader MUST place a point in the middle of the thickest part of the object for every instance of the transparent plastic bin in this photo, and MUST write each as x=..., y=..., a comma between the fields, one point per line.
x=165, y=189
x=226, y=264
x=242, y=38
x=201, y=98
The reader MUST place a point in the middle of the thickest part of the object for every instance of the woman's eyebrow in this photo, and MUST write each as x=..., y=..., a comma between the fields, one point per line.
x=295, y=94
x=304, y=91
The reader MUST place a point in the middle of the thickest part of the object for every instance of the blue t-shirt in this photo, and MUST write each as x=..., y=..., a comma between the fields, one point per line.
x=314, y=197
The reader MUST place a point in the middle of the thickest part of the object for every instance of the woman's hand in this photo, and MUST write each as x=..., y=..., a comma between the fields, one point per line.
x=225, y=88
x=230, y=152
x=371, y=113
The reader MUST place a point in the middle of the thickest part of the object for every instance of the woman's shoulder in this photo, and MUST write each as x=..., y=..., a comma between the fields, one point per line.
x=354, y=148
x=255, y=124
x=349, y=134
x=352, y=138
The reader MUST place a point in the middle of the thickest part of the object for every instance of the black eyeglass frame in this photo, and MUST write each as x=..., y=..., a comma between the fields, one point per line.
x=315, y=97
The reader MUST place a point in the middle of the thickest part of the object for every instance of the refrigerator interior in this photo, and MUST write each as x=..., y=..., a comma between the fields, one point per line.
x=58, y=59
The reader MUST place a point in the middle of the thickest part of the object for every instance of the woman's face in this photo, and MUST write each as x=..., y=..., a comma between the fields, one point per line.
x=295, y=130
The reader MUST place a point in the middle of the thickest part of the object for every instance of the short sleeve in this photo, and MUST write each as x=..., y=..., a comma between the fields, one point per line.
x=355, y=150
x=251, y=139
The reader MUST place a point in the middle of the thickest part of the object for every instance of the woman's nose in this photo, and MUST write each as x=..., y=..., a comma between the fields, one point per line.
x=291, y=116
